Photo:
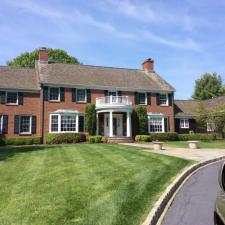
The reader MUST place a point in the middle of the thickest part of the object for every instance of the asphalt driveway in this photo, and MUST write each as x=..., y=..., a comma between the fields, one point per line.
x=194, y=203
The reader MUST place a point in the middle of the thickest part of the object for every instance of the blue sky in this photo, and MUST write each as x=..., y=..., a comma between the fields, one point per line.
x=185, y=38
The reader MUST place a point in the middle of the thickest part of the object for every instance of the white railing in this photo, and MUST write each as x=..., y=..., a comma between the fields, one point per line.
x=113, y=100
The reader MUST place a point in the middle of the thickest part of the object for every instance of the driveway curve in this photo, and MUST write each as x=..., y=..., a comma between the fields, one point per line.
x=194, y=203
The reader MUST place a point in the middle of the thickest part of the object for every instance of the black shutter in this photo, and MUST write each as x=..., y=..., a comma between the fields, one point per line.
x=16, y=124
x=170, y=99
x=2, y=97
x=136, y=98
x=20, y=98
x=149, y=98
x=34, y=125
x=5, y=124
x=88, y=95
x=62, y=94
x=166, y=124
x=119, y=93
x=74, y=94
x=157, y=99
x=106, y=92
x=45, y=94
x=81, y=123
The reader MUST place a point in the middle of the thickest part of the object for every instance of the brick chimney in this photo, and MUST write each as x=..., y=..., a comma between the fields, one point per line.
x=43, y=55
x=148, y=65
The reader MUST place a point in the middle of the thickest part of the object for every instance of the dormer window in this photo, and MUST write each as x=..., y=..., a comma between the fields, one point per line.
x=54, y=94
x=12, y=98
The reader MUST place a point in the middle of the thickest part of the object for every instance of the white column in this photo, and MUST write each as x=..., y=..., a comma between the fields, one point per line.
x=110, y=124
x=129, y=133
x=163, y=125
x=77, y=123
x=97, y=124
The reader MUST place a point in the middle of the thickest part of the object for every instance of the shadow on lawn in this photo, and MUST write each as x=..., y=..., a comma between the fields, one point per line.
x=10, y=151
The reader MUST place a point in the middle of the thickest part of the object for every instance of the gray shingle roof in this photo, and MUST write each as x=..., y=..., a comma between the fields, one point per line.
x=105, y=77
x=188, y=107
x=18, y=78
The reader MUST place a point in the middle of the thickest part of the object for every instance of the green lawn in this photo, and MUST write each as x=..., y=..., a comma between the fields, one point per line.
x=81, y=184
x=184, y=144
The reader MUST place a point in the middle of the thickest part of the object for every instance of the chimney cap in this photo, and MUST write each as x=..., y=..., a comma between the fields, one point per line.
x=42, y=48
x=148, y=60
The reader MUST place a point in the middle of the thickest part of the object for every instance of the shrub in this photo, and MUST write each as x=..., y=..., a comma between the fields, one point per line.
x=90, y=119
x=65, y=138
x=20, y=141
x=142, y=119
x=95, y=139
x=104, y=139
x=142, y=138
x=168, y=136
x=197, y=136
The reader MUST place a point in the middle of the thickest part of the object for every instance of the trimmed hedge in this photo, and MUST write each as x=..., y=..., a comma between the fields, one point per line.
x=95, y=139
x=168, y=136
x=142, y=138
x=65, y=138
x=197, y=136
x=20, y=141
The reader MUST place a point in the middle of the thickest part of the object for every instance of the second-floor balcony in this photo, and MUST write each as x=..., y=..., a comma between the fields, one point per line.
x=113, y=102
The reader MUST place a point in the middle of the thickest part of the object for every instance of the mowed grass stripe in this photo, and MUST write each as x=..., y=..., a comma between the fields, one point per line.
x=81, y=184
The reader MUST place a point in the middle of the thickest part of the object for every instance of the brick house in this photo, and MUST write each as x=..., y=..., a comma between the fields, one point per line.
x=51, y=98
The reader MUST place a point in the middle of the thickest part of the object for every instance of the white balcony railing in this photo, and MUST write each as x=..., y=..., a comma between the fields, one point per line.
x=113, y=101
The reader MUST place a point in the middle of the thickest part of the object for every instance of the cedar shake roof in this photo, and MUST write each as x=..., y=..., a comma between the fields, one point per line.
x=101, y=77
x=187, y=107
x=18, y=78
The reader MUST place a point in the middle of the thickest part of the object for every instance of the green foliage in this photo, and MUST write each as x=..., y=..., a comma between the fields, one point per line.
x=20, y=141
x=142, y=119
x=95, y=139
x=65, y=138
x=197, y=136
x=27, y=59
x=90, y=119
x=208, y=86
x=142, y=138
x=168, y=136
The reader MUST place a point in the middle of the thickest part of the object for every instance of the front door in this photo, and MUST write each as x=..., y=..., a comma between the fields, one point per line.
x=117, y=125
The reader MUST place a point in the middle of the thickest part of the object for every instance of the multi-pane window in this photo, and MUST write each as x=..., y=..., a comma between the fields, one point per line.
x=64, y=123
x=184, y=123
x=155, y=125
x=163, y=99
x=54, y=123
x=25, y=124
x=11, y=97
x=54, y=94
x=68, y=123
x=1, y=123
x=81, y=95
x=142, y=98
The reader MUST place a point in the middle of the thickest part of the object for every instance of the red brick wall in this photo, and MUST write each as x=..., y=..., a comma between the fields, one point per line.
x=50, y=107
x=31, y=106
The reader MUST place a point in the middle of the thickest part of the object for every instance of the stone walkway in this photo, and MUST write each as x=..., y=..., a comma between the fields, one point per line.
x=186, y=153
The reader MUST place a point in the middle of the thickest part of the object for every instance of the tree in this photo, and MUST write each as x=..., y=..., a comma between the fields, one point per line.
x=142, y=119
x=90, y=119
x=27, y=59
x=213, y=119
x=208, y=86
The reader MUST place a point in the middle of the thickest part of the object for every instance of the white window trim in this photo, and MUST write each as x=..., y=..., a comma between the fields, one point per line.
x=145, y=98
x=6, y=98
x=59, y=123
x=57, y=100
x=85, y=101
x=29, y=127
x=163, y=123
x=167, y=99
x=185, y=124
x=1, y=127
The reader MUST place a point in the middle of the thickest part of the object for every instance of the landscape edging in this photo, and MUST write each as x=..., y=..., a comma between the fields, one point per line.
x=159, y=207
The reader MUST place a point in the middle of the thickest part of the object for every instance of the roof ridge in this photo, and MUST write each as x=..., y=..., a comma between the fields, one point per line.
x=17, y=67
